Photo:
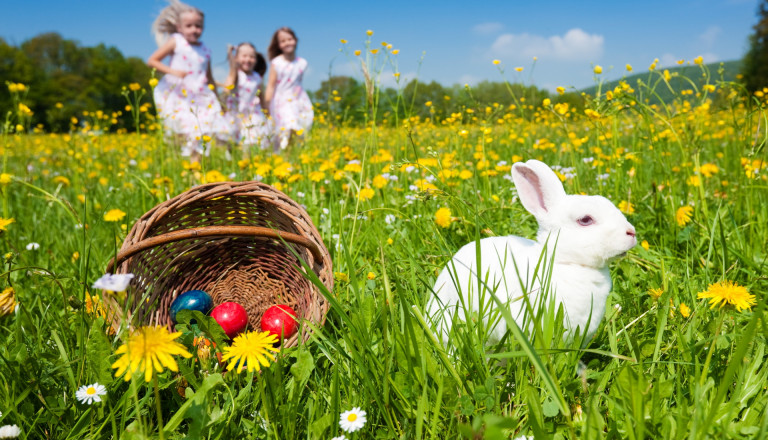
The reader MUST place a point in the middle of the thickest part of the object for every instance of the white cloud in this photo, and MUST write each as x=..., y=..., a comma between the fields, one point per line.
x=488, y=28
x=710, y=35
x=574, y=45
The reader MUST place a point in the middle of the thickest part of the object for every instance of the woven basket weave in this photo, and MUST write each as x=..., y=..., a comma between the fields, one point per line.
x=237, y=241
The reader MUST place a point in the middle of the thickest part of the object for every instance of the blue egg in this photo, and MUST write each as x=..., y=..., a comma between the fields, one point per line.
x=191, y=300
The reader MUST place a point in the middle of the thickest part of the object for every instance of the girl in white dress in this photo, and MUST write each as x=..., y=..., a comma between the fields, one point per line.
x=185, y=97
x=288, y=103
x=245, y=83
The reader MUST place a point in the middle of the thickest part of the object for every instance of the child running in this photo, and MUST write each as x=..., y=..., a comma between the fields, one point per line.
x=245, y=80
x=287, y=101
x=185, y=97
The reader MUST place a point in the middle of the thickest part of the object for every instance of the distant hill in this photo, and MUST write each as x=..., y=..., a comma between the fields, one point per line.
x=692, y=72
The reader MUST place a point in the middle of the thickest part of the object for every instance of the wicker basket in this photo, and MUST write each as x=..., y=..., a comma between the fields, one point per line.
x=237, y=241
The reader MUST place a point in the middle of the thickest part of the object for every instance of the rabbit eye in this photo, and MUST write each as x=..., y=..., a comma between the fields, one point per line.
x=586, y=220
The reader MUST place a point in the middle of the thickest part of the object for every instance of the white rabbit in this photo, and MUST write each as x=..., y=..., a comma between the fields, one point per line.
x=584, y=232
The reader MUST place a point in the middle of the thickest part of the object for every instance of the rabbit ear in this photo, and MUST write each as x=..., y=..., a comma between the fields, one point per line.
x=538, y=187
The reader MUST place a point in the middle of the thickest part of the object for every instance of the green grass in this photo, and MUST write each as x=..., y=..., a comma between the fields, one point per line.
x=648, y=373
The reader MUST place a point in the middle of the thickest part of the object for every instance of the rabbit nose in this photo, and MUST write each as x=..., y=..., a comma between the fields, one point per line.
x=631, y=231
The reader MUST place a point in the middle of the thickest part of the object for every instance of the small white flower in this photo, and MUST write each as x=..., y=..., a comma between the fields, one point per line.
x=300, y=194
x=389, y=219
x=258, y=177
x=9, y=431
x=87, y=394
x=413, y=188
x=352, y=420
x=393, y=178
x=410, y=168
x=132, y=162
x=33, y=246
x=326, y=211
x=232, y=176
x=113, y=282
x=341, y=437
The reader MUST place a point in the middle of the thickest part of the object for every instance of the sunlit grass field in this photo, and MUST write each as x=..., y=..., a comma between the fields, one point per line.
x=393, y=200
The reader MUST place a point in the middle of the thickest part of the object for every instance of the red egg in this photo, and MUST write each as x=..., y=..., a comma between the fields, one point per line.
x=232, y=317
x=280, y=320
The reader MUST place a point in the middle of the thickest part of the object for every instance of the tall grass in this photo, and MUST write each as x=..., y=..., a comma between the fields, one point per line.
x=650, y=372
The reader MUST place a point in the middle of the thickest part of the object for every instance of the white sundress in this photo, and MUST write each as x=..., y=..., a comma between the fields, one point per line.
x=187, y=105
x=290, y=108
x=250, y=125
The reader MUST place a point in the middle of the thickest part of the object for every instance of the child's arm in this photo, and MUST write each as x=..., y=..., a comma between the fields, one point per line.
x=270, y=89
x=232, y=76
x=156, y=59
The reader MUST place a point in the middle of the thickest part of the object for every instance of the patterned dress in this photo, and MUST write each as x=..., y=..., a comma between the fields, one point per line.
x=187, y=106
x=290, y=108
x=250, y=126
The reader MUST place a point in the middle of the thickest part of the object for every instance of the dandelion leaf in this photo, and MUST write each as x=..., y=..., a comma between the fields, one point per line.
x=303, y=366
x=98, y=351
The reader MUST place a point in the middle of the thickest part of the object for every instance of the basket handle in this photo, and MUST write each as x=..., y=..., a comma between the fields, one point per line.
x=214, y=231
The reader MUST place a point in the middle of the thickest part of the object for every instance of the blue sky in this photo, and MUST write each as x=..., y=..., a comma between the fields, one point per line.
x=448, y=41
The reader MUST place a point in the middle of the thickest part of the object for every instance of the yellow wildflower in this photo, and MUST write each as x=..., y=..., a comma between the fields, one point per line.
x=443, y=217
x=728, y=292
x=683, y=215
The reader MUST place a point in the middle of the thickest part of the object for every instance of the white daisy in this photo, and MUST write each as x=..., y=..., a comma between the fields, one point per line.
x=87, y=394
x=341, y=437
x=9, y=431
x=33, y=246
x=352, y=420
x=114, y=282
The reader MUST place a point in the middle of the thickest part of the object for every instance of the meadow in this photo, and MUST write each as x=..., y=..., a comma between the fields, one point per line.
x=393, y=199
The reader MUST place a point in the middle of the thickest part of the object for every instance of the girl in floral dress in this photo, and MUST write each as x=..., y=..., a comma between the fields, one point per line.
x=185, y=97
x=288, y=103
x=245, y=80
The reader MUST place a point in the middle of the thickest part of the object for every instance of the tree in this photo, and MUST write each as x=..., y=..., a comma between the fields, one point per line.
x=755, y=68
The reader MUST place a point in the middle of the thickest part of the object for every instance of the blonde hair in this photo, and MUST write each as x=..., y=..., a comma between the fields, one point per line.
x=169, y=19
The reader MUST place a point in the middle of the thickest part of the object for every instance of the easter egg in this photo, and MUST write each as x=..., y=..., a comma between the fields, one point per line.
x=232, y=317
x=279, y=320
x=191, y=300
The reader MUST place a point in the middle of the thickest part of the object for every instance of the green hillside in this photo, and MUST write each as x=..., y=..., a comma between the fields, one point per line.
x=726, y=71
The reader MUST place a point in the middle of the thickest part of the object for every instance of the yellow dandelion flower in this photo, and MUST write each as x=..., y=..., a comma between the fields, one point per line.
x=250, y=350
x=5, y=178
x=728, y=292
x=645, y=245
x=148, y=350
x=357, y=53
x=683, y=215
x=685, y=311
x=396, y=51
x=366, y=194
x=496, y=62
x=153, y=82
x=4, y=222
x=114, y=215
x=340, y=276
x=371, y=276
x=655, y=293
x=518, y=69
x=443, y=217
x=628, y=67
x=598, y=69
x=343, y=41
x=699, y=60
x=380, y=181
x=7, y=301
x=369, y=32
x=561, y=90
x=626, y=207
